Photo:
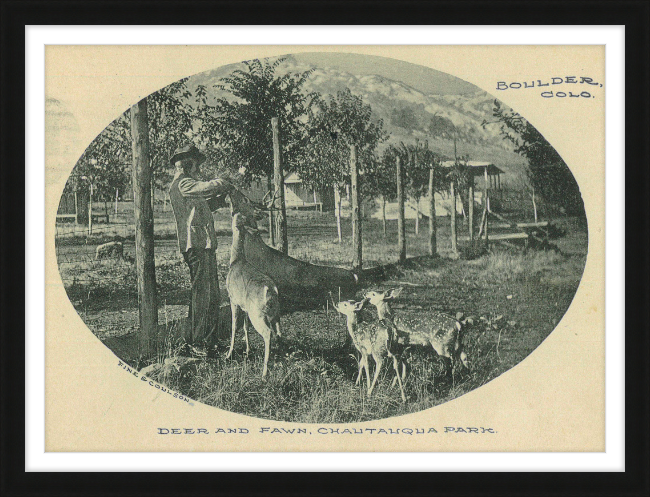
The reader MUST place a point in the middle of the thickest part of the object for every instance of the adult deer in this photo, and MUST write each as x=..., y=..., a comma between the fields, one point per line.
x=296, y=279
x=252, y=293
x=370, y=339
x=442, y=332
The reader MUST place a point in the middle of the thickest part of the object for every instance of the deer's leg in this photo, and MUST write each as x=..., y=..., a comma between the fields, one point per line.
x=267, y=348
x=463, y=359
x=378, y=363
x=248, y=349
x=360, y=370
x=236, y=312
x=366, y=366
x=449, y=364
x=275, y=326
x=403, y=375
x=261, y=326
x=399, y=379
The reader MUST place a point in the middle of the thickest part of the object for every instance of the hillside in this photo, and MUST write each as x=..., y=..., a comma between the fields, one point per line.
x=407, y=112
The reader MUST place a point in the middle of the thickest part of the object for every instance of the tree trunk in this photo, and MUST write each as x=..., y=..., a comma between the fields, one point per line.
x=470, y=194
x=337, y=211
x=76, y=206
x=357, y=256
x=153, y=194
x=269, y=183
x=383, y=212
x=433, y=243
x=487, y=216
x=487, y=204
x=454, y=239
x=401, y=227
x=144, y=241
x=90, y=210
x=278, y=179
x=117, y=191
x=534, y=206
x=417, y=215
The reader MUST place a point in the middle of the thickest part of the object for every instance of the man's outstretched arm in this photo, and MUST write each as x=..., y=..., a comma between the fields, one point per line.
x=190, y=187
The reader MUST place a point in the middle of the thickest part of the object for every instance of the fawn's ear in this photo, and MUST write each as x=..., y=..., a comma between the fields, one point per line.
x=360, y=305
x=393, y=293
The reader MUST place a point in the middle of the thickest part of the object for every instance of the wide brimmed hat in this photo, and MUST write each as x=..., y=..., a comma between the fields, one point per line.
x=186, y=152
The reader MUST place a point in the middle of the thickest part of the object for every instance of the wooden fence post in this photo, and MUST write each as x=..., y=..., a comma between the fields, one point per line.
x=90, y=208
x=357, y=255
x=144, y=241
x=337, y=211
x=487, y=205
x=278, y=180
x=433, y=242
x=401, y=227
x=76, y=205
x=454, y=239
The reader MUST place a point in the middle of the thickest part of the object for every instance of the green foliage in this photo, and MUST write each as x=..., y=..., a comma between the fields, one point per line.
x=549, y=174
x=417, y=161
x=441, y=127
x=237, y=130
x=107, y=161
x=170, y=126
x=405, y=118
x=335, y=124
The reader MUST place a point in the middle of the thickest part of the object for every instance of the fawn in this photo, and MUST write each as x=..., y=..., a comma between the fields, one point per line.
x=442, y=332
x=370, y=339
x=251, y=293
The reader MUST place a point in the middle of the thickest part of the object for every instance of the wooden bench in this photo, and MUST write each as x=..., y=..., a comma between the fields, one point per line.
x=499, y=236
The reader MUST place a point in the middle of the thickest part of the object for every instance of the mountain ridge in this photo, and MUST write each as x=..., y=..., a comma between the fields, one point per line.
x=407, y=112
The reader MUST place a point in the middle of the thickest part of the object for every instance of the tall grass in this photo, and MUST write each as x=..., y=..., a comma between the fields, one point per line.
x=511, y=266
x=308, y=388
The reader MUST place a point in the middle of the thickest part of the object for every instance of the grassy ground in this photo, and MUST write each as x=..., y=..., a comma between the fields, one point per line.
x=516, y=300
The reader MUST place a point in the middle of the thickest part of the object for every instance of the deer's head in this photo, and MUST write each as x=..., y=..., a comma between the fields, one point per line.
x=252, y=211
x=377, y=297
x=380, y=300
x=350, y=308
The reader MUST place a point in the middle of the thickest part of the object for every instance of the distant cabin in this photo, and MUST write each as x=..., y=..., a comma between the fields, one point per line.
x=296, y=194
x=483, y=172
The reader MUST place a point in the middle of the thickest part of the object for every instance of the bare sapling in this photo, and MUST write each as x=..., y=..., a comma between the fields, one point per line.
x=252, y=294
x=440, y=331
x=370, y=339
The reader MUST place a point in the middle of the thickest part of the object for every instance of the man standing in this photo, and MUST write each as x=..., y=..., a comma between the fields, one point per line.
x=197, y=241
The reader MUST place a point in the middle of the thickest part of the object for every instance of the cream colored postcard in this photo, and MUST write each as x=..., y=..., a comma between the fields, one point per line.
x=319, y=248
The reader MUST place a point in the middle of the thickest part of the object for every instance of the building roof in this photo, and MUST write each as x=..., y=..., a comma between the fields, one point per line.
x=292, y=177
x=478, y=167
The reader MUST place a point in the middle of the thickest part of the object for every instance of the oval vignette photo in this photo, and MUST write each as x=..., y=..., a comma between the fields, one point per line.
x=319, y=237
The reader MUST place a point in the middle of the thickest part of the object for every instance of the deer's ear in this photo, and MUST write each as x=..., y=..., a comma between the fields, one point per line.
x=360, y=305
x=393, y=293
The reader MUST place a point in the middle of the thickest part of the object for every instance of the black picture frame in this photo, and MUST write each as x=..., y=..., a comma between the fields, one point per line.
x=634, y=15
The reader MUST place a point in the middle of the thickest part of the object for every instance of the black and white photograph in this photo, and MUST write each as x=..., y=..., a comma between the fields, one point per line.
x=323, y=238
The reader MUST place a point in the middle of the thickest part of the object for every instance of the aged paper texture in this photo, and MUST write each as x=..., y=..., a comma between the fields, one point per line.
x=551, y=399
